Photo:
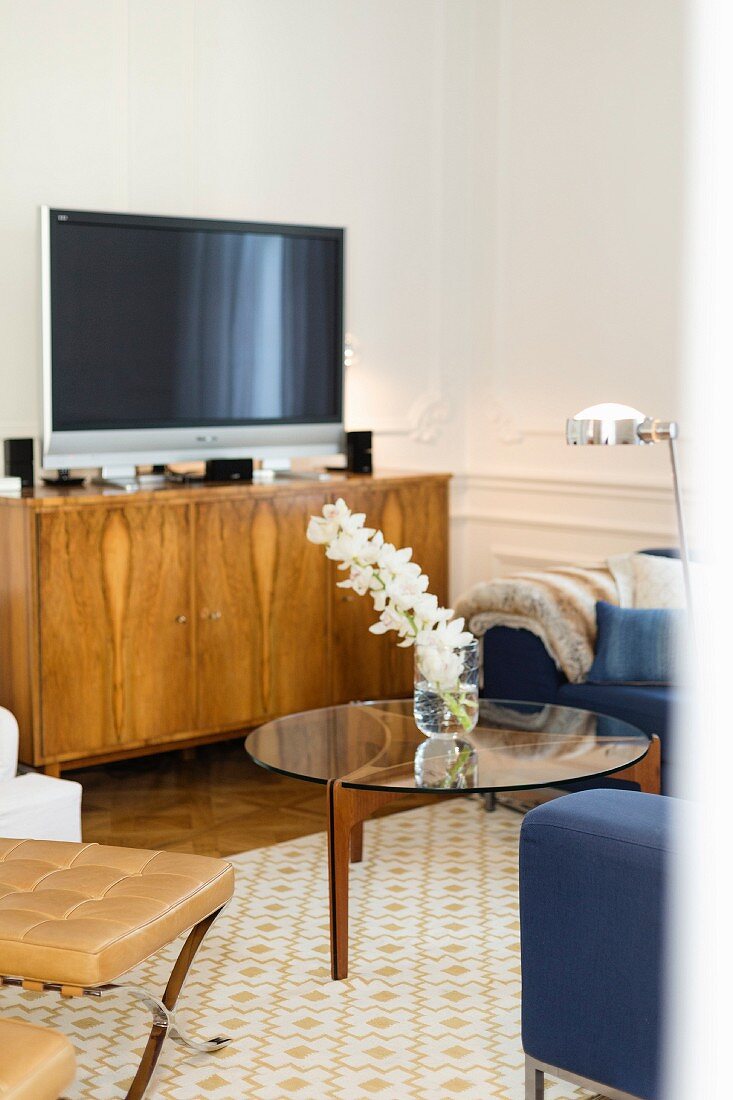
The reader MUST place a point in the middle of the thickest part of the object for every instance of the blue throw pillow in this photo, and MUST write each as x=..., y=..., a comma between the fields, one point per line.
x=634, y=645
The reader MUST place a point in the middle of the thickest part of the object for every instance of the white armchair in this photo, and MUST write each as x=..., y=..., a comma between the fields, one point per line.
x=34, y=806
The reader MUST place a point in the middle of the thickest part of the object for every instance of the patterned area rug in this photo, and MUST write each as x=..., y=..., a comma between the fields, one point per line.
x=431, y=1007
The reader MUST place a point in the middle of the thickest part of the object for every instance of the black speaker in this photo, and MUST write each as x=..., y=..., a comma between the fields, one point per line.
x=229, y=469
x=19, y=460
x=359, y=452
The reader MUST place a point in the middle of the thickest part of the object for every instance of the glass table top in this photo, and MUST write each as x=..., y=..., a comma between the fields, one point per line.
x=514, y=746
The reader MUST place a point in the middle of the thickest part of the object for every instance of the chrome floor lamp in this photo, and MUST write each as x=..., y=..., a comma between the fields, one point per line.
x=611, y=425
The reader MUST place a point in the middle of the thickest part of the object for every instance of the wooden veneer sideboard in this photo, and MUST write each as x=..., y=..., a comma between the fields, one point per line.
x=132, y=623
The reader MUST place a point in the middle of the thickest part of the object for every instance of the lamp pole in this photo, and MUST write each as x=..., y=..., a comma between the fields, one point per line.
x=681, y=524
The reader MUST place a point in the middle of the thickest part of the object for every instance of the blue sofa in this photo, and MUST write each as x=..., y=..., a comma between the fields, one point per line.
x=516, y=665
x=593, y=874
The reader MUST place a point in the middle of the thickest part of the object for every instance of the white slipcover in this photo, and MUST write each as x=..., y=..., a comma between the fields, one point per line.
x=34, y=806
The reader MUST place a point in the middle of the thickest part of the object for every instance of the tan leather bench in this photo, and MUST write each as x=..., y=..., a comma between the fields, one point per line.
x=36, y=1063
x=75, y=917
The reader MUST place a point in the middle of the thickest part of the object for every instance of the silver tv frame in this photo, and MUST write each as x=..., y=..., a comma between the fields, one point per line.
x=127, y=447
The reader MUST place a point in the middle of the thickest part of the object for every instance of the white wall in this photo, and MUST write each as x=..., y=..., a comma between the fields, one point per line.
x=586, y=290
x=325, y=112
x=509, y=173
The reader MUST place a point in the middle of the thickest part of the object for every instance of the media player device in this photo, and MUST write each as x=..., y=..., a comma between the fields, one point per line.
x=229, y=469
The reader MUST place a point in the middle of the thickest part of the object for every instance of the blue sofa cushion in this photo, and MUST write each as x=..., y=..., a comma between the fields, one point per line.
x=517, y=666
x=592, y=900
x=634, y=645
x=642, y=705
x=648, y=708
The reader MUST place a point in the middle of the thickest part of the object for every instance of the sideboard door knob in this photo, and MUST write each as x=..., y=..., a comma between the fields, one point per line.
x=215, y=615
x=181, y=618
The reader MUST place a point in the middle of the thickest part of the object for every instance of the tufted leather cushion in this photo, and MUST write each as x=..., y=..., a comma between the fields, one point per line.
x=36, y=1064
x=83, y=914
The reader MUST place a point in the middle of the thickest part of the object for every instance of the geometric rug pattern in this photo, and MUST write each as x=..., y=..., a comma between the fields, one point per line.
x=430, y=1009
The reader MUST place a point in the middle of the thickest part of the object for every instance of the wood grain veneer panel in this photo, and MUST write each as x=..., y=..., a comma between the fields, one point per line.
x=263, y=610
x=116, y=650
x=295, y=606
x=192, y=610
x=414, y=514
x=158, y=647
x=229, y=629
x=17, y=634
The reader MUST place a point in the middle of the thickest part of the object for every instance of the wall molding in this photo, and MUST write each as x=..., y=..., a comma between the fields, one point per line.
x=427, y=416
x=554, y=523
x=516, y=557
x=424, y=420
x=539, y=517
x=541, y=481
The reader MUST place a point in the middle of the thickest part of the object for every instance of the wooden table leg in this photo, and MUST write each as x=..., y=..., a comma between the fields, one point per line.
x=348, y=808
x=357, y=842
x=647, y=772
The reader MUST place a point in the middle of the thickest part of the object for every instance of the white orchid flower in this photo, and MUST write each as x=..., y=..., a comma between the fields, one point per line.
x=390, y=619
x=427, y=612
x=339, y=510
x=349, y=545
x=379, y=596
x=446, y=635
x=404, y=590
x=391, y=560
x=360, y=579
x=440, y=666
x=321, y=531
x=398, y=589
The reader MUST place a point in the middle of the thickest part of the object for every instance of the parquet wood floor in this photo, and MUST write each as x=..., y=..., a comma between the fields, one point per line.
x=215, y=802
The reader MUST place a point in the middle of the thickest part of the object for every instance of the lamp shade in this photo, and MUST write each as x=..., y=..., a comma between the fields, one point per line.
x=608, y=424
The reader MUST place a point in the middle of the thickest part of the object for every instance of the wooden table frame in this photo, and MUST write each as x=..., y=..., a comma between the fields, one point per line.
x=348, y=809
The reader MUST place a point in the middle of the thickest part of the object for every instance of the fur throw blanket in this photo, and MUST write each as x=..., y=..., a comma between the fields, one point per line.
x=558, y=605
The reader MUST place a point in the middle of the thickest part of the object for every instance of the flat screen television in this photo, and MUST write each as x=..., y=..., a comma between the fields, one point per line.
x=171, y=339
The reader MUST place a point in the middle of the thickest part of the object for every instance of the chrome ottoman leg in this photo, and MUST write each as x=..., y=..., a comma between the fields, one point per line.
x=162, y=1009
x=534, y=1081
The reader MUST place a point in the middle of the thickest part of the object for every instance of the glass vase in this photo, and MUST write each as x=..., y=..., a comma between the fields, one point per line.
x=446, y=762
x=446, y=689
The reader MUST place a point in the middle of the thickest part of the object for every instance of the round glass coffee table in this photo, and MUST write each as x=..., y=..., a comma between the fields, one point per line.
x=368, y=754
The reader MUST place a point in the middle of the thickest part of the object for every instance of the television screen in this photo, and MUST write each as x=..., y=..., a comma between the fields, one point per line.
x=172, y=323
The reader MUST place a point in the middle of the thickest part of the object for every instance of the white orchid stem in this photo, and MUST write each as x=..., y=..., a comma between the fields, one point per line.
x=458, y=710
x=455, y=706
x=457, y=769
x=398, y=590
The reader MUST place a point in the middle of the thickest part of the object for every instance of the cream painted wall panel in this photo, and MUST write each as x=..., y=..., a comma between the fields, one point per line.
x=435, y=433
x=591, y=211
x=587, y=261
x=161, y=83
x=62, y=141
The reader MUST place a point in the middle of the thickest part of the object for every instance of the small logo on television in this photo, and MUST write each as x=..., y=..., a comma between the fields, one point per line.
x=62, y=217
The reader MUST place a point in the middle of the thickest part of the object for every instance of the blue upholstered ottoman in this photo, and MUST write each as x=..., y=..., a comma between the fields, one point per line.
x=593, y=876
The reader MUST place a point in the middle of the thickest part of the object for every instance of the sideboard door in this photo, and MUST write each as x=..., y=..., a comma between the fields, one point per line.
x=294, y=604
x=262, y=606
x=369, y=666
x=229, y=636
x=115, y=626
